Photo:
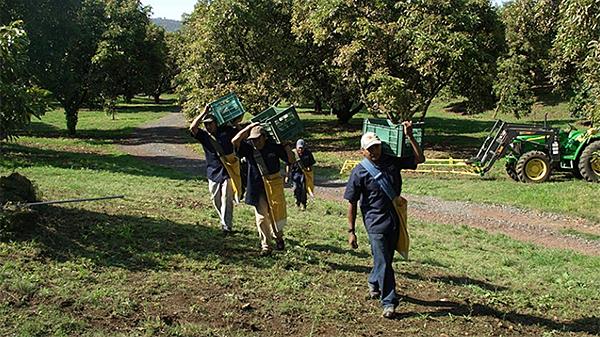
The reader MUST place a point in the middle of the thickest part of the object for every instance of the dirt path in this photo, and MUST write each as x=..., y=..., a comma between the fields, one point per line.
x=163, y=142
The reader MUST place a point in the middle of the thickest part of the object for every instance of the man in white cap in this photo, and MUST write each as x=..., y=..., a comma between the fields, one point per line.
x=379, y=214
x=264, y=182
x=298, y=173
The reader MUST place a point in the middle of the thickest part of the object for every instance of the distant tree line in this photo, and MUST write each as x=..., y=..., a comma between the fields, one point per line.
x=168, y=24
x=392, y=57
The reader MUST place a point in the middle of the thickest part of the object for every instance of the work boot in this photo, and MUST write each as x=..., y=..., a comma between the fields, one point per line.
x=225, y=231
x=265, y=252
x=280, y=244
x=303, y=208
x=389, y=312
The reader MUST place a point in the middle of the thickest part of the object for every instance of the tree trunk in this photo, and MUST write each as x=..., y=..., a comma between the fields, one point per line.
x=345, y=112
x=156, y=98
x=71, y=113
x=318, y=105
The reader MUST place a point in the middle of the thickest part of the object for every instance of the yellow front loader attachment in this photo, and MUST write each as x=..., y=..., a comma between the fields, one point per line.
x=448, y=165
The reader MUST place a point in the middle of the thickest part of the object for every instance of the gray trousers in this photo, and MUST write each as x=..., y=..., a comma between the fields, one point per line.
x=221, y=195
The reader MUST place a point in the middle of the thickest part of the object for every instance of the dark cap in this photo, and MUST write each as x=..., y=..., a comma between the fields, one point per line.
x=209, y=118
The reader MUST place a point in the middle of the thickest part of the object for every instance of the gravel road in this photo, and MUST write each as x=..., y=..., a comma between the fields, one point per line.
x=163, y=142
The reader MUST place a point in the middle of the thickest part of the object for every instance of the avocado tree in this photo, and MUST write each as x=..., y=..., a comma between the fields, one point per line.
x=576, y=56
x=400, y=55
x=242, y=46
x=530, y=27
x=19, y=98
x=64, y=36
x=126, y=57
x=163, y=53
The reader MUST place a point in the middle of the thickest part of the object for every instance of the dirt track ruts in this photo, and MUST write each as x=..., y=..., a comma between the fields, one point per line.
x=163, y=142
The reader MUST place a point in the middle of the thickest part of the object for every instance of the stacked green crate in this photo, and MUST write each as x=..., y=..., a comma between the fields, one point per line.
x=280, y=124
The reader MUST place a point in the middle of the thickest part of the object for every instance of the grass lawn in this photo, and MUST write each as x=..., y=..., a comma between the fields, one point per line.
x=154, y=263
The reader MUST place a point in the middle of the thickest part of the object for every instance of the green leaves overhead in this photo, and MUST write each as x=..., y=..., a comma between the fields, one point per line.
x=19, y=98
x=577, y=58
x=242, y=46
x=400, y=55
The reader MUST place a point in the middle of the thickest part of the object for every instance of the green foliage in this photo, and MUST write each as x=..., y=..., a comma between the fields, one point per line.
x=20, y=99
x=131, y=53
x=577, y=56
x=239, y=46
x=64, y=36
x=530, y=30
x=513, y=86
x=400, y=55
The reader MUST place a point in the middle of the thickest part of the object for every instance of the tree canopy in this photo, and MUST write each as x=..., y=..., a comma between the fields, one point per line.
x=242, y=46
x=19, y=98
x=394, y=57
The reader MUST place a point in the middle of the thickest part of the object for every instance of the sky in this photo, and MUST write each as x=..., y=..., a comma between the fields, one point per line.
x=173, y=9
x=170, y=9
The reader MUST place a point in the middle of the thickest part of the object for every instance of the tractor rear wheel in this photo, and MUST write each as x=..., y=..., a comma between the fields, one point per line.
x=511, y=170
x=533, y=167
x=589, y=163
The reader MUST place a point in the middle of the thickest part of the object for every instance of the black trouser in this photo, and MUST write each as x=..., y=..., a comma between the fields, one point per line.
x=299, y=189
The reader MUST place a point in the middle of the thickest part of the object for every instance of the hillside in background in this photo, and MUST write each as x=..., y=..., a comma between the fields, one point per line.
x=170, y=25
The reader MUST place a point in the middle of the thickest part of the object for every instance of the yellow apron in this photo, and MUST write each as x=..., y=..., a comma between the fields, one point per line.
x=276, y=199
x=310, y=180
x=403, y=240
x=232, y=165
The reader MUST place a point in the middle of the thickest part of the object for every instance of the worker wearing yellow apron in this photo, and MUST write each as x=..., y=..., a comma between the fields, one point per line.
x=301, y=174
x=224, y=182
x=264, y=189
x=376, y=182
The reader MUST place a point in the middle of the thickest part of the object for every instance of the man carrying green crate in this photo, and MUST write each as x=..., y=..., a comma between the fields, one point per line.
x=264, y=182
x=377, y=183
x=221, y=172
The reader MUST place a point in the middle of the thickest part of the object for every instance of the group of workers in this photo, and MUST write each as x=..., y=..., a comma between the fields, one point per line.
x=376, y=182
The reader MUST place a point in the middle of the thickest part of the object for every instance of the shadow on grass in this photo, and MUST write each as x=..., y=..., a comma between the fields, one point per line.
x=25, y=156
x=588, y=325
x=457, y=281
x=135, y=243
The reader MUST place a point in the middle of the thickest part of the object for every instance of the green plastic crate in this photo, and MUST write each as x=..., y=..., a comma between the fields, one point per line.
x=227, y=108
x=272, y=111
x=284, y=125
x=394, y=142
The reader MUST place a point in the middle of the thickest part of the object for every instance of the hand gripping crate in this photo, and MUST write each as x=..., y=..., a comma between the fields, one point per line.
x=226, y=108
x=394, y=141
x=282, y=125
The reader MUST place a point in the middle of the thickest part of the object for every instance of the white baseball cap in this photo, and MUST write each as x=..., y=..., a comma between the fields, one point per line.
x=369, y=139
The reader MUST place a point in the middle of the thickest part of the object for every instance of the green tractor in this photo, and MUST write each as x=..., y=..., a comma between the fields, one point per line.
x=533, y=152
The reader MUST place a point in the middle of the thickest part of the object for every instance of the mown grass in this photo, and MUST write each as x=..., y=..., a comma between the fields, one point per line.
x=154, y=263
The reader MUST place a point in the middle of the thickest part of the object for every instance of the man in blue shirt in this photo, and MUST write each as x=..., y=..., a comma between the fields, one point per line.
x=379, y=215
x=219, y=184
x=263, y=158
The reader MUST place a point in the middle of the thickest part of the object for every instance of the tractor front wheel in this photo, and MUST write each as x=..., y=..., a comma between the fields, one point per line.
x=589, y=163
x=511, y=170
x=533, y=167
